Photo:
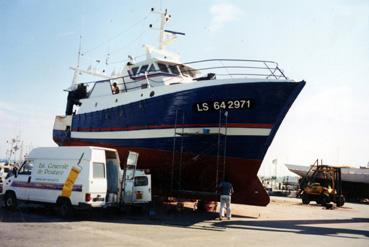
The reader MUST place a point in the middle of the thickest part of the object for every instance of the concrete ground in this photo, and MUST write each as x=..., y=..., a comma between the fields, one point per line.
x=284, y=222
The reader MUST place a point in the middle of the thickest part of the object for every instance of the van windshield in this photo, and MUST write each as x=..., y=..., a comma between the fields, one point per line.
x=26, y=168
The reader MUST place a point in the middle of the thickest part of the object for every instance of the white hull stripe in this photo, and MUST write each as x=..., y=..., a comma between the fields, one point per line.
x=167, y=133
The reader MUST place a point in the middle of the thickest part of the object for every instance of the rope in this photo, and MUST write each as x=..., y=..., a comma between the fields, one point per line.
x=118, y=35
x=132, y=42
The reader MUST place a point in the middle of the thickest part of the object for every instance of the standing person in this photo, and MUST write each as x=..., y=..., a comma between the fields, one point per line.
x=226, y=190
x=115, y=88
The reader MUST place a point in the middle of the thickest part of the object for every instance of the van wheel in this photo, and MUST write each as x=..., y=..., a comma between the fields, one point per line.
x=64, y=208
x=10, y=200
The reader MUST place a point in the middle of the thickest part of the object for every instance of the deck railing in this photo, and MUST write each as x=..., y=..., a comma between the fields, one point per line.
x=206, y=70
x=239, y=68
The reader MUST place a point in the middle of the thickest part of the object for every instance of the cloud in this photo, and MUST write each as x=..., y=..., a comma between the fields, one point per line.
x=223, y=13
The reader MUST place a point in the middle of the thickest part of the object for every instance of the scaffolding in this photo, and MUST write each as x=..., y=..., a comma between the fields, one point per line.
x=180, y=133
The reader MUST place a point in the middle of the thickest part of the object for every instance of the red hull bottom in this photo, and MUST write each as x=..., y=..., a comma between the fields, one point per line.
x=197, y=174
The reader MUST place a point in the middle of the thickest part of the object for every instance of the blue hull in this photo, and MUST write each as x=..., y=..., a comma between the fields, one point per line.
x=271, y=102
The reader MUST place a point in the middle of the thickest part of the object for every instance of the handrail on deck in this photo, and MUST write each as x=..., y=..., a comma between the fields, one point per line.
x=257, y=68
x=271, y=68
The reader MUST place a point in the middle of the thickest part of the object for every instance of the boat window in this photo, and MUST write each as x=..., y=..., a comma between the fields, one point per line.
x=186, y=71
x=143, y=69
x=134, y=70
x=174, y=69
x=163, y=67
x=152, y=68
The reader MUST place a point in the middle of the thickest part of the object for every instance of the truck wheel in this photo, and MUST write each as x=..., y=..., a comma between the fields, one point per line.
x=318, y=200
x=305, y=199
x=64, y=208
x=340, y=201
x=324, y=199
x=10, y=201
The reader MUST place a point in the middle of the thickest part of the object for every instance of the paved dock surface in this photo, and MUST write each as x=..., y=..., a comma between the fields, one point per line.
x=284, y=222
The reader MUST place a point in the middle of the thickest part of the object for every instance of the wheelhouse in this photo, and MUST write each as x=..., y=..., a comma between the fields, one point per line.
x=160, y=68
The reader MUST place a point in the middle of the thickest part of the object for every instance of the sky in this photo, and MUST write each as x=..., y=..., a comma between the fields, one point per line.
x=325, y=43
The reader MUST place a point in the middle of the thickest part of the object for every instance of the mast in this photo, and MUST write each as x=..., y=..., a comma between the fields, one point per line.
x=165, y=36
x=76, y=72
x=163, y=20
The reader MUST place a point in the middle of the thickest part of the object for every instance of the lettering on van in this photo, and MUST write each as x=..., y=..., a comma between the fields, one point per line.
x=51, y=169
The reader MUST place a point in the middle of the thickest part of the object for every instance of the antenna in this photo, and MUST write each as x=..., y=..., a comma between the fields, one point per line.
x=165, y=36
x=76, y=72
x=164, y=17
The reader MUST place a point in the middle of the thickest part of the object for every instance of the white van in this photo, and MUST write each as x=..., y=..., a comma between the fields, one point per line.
x=136, y=184
x=69, y=177
x=4, y=169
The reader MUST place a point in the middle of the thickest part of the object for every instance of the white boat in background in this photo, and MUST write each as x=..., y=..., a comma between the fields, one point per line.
x=349, y=174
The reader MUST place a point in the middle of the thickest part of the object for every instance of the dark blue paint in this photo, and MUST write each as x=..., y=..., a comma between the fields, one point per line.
x=272, y=101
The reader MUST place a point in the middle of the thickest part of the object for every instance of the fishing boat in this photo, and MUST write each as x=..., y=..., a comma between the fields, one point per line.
x=193, y=123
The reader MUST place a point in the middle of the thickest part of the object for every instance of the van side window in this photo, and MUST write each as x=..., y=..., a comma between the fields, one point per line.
x=141, y=181
x=98, y=170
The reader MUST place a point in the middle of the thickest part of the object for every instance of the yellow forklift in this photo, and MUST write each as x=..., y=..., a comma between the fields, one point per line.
x=322, y=184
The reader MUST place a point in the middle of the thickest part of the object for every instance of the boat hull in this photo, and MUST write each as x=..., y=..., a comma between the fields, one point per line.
x=188, y=147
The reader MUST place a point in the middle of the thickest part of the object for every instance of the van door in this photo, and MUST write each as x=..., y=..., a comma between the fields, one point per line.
x=129, y=178
x=98, y=184
x=21, y=183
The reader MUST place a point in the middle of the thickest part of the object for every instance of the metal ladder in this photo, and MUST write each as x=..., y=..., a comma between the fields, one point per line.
x=220, y=163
